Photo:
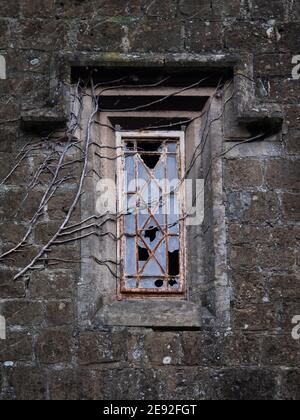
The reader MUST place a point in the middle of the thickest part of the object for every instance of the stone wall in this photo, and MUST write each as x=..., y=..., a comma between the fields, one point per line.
x=46, y=355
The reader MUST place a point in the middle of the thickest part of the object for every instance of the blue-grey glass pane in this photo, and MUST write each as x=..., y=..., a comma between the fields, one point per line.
x=130, y=224
x=143, y=175
x=161, y=256
x=159, y=172
x=152, y=269
x=130, y=284
x=145, y=199
x=142, y=219
x=172, y=169
x=155, y=196
x=172, y=147
x=147, y=284
x=130, y=256
x=174, y=214
x=130, y=182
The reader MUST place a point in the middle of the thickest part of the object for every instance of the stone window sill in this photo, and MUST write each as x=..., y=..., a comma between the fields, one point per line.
x=154, y=314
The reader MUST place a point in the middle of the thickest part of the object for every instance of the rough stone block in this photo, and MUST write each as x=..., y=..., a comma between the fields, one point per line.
x=202, y=349
x=152, y=36
x=26, y=383
x=241, y=173
x=253, y=207
x=261, y=9
x=280, y=350
x=246, y=384
x=52, y=285
x=101, y=35
x=17, y=347
x=54, y=346
x=10, y=289
x=203, y=36
x=283, y=174
x=99, y=348
x=291, y=206
x=293, y=141
x=163, y=348
x=23, y=313
x=196, y=9
x=59, y=313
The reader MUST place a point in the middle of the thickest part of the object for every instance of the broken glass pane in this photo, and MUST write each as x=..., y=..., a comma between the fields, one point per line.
x=152, y=254
x=174, y=283
x=152, y=234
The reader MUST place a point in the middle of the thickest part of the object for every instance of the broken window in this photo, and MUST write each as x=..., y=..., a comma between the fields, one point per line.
x=151, y=205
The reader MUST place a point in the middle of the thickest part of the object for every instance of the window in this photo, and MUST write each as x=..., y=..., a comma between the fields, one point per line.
x=152, y=249
x=129, y=273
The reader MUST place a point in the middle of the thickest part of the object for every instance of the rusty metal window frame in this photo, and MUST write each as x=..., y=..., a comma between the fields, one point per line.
x=169, y=281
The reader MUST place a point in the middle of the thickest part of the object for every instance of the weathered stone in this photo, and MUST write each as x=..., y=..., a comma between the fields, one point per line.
x=246, y=384
x=261, y=10
x=152, y=36
x=24, y=313
x=54, y=346
x=8, y=139
x=9, y=288
x=15, y=207
x=243, y=173
x=290, y=385
x=101, y=36
x=291, y=206
x=51, y=34
x=262, y=317
x=40, y=8
x=10, y=9
x=280, y=350
x=293, y=141
x=59, y=313
x=250, y=36
x=249, y=207
x=283, y=174
x=52, y=285
x=244, y=234
x=203, y=38
x=17, y=347
x=199, y=9
x=100, y=348
x=27, y=383
x=243, y=257
x=201, y=349
x=273, y=65
x=283, y=287
x=163, y=348
x=249, y=288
